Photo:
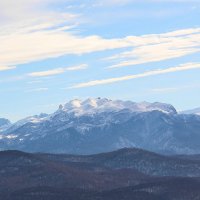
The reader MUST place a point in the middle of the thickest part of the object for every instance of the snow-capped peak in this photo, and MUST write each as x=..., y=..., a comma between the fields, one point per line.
x=31, y=119
x=97, y=105
x=73, y=104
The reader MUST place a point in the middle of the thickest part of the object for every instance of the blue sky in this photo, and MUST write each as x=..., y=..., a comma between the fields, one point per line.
x=52, y=51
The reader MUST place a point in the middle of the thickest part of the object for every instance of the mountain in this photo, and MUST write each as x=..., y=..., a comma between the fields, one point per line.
x=4, y=122
x=99, y=105
x=167, y=189
x=143, y=161
x=4, y=125
x=195, y=111
x=123, y=174
x=21, y=170
x=102, y=125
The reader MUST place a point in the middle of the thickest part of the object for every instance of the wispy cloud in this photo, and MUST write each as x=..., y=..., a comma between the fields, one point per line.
x=47, y=73
x=163, y=90
x=174, y=89
x=43, y=34
x=18, y=48
x=126, y=2
x=4, y=68
x=76, y=68
x=158, y=47
x=184, y=67
x=34, y=82
x=12, y=79
x=38, y=90
x=57, y=71
x=49, y=34
x=31, y=46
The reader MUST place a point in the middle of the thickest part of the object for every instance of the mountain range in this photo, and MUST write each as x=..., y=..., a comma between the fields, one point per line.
x=124, y=174
x=102, y=125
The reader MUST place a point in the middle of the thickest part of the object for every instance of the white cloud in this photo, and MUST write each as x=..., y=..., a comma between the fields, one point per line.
x=174, y=89
x=27, y=46
x=184, y=67
x=4, y=68
x=47, y=73
x=33, y=43
x=154, y=48
x=41, y=34
x=16, y=10
x=79, y=67
x=38, y=90
x=58, y=71
x=125, y=2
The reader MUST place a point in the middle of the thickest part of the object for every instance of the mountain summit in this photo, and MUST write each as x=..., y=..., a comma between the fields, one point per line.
x=99, y=105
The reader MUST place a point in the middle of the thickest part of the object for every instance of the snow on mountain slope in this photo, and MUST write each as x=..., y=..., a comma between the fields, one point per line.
x=31, y=119
x=195, y=111
x=99, y=125
x=4, y=124
x=97, y=105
